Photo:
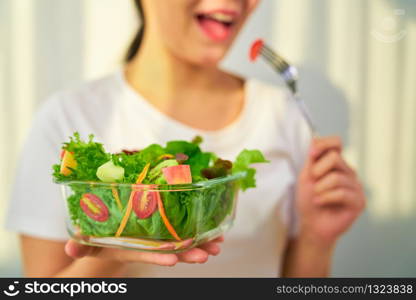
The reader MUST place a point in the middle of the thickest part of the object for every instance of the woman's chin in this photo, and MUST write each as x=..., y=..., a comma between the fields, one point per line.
x=202, y=56
x=211, y=59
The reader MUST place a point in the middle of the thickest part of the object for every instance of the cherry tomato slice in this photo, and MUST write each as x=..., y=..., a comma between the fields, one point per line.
x=144, y=204
x=94, y=207
x=255, y=49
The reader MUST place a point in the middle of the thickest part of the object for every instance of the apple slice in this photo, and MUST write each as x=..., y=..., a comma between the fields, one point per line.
x=179, y=174
x=68, y=161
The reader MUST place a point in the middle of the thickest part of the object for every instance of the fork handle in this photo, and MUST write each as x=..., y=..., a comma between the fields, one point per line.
x=306, y=115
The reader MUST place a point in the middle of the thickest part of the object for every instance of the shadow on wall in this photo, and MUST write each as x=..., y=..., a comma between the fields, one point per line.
x=327, y=103
x=320, y=94
x=372, y=248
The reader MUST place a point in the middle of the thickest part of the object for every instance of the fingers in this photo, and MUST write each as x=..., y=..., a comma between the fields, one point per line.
x=195, y=255
x=321, y=145
x=219, y=239
x=211, y=248
x=76, y=250
x=121, y=255
x=331, y=160
x=200, y=254
x=161, y=259
x=338, y=188
x=340, y=196
x=333, y=180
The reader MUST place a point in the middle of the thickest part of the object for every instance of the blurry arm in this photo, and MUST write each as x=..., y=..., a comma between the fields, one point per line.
x=306, y=258
x=45, y=258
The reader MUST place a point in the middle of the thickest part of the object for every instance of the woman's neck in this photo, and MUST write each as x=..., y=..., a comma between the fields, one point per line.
x=202, y=97
x=161, y=77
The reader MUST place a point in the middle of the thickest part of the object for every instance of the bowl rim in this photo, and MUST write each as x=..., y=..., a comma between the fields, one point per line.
x=160, y=187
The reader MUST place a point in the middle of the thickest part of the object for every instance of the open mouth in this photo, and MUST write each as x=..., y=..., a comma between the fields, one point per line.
x=217, y=25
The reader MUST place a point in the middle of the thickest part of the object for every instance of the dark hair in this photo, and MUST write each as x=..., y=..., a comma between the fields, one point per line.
x=135, y=45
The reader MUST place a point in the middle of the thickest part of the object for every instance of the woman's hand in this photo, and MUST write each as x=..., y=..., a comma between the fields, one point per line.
x=195, y=255
x=329, y=194
x=329, y=197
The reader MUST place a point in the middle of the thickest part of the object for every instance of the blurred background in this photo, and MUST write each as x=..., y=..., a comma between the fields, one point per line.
x=357, y=67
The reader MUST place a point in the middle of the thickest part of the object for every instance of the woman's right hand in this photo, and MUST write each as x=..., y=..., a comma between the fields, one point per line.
x=194, y=255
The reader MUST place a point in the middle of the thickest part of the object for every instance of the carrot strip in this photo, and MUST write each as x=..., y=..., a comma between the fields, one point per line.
x=143, y=174
x=116, y=197
x=126, y=216
x=166, y=156
x=165, y=219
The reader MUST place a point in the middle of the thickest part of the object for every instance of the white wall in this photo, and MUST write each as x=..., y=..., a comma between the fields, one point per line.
x=357, y=66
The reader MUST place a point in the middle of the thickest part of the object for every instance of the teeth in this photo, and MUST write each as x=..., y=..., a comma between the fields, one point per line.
x=221, y=17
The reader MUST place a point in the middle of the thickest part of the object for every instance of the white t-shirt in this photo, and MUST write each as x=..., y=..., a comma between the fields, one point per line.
x=121, y=119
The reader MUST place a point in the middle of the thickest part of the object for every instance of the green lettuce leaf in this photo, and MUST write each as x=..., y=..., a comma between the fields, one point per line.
x=88, y=155
x=190, y=212
x=242, y=164
x=133, y=164
x=197, y=163
x=151, y=154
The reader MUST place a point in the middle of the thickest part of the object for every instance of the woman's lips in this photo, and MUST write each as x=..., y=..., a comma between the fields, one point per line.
x=217, y=25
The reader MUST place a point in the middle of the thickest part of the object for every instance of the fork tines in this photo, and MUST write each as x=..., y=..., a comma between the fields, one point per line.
x=280, y=64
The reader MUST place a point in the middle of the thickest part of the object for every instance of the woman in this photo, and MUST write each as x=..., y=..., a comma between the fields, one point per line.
x=171, y=88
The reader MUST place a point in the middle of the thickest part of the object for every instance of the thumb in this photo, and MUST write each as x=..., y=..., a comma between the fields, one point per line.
x=77, y=250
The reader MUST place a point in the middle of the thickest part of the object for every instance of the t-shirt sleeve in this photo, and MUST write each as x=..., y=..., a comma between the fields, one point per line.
x=36, y=205
x=297, y=135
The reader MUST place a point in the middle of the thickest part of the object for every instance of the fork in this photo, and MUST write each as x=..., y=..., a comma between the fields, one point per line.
x=287, y=71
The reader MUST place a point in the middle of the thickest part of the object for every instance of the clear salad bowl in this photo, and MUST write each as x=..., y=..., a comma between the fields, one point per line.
x=157, y=218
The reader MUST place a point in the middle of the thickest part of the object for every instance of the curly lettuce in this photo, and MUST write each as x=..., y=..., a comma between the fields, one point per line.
x=190, y=212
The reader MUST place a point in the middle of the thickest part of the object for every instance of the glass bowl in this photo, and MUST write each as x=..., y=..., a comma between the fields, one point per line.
x=156, y=218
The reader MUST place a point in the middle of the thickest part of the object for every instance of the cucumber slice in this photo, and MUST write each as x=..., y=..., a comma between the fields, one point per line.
x=109, y=172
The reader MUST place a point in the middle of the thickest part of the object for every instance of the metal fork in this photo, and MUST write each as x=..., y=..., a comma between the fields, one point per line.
x=289, y=74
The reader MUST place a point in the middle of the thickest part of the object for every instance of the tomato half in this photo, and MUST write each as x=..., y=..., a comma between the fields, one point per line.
x=256, y=49
x=144, y=203
x=94, y=207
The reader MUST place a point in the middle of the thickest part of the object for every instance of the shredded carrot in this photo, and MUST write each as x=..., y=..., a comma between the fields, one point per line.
x=141, y=242
x=143, y=174
x=116, y=197
x=126, y=216
x=167, y=156
x=165, y=219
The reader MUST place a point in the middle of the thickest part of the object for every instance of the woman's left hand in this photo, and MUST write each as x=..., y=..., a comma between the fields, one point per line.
x=329, y=194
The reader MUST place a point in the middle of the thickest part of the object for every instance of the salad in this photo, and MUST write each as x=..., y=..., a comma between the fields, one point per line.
x=172, y=192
